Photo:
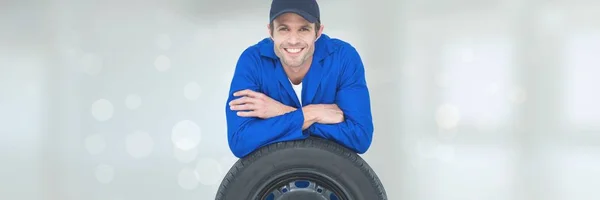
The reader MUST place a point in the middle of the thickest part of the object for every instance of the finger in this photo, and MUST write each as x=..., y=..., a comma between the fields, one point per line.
x=249, y=93
x=243, y=92
x=335, y=106
x=238, y=101
x=247, y=113
x=242, y=100
x=243, y=107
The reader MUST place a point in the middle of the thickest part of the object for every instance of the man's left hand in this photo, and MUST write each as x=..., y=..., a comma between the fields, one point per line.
x=256, y=104
x=326, y=113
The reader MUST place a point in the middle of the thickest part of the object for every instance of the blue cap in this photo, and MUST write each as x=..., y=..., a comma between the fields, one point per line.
x=309, y=9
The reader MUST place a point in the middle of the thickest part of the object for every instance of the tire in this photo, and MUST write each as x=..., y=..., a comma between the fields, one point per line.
x=312, y=168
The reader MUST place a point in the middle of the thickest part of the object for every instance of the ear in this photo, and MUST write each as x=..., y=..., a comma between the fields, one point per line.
x=269, y=31
x=320, y=31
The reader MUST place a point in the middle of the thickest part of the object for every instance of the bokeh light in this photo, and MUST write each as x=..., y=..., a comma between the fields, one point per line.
x=102, y=110
x=162, y=63
x=139, y=144
x=186, y=135
x=133, y=101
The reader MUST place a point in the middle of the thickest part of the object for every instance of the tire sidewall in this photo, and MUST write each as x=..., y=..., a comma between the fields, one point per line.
x=346, y=170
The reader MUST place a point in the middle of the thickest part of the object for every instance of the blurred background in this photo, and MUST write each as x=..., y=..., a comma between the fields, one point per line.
x=472, y=99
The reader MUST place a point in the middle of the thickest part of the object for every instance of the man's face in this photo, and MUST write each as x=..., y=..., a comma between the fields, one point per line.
x=294, y=39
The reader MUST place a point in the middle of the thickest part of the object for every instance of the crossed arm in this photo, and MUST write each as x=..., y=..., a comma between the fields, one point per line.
x=256, y=104
x=255, y=120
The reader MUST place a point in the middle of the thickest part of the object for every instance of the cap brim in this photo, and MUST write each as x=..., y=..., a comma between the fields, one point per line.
x=305, y=15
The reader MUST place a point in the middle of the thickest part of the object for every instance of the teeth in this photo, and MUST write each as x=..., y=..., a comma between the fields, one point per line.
x=293, y=50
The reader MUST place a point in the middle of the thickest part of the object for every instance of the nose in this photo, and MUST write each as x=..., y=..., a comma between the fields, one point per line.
x=293, y=39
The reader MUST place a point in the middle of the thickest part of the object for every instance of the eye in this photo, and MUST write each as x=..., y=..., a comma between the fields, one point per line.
x=282, y=29
x=304, y=29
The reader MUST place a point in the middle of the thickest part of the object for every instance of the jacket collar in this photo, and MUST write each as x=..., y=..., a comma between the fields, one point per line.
x=323, y=48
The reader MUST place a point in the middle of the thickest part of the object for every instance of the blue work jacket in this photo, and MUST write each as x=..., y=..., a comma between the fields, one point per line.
x=336, y=76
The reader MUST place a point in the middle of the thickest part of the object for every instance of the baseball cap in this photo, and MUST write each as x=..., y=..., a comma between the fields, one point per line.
x=309, y=9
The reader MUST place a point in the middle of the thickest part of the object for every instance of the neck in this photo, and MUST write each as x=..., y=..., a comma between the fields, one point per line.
x=296, y=74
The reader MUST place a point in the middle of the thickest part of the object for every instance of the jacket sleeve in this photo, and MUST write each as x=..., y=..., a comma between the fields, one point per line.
x=356, y=131
x=246, y=134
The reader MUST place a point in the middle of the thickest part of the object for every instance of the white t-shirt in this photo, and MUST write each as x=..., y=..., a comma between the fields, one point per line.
x=298, y=90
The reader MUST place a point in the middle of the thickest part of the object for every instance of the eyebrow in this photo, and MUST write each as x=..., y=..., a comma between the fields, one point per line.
x=303, y=26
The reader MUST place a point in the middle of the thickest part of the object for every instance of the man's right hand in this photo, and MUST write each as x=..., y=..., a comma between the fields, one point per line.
x=256, y=104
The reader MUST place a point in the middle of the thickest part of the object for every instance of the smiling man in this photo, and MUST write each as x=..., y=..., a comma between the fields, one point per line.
x=297, y=83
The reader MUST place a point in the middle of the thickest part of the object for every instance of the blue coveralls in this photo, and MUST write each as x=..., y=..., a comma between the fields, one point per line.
x=337, y=75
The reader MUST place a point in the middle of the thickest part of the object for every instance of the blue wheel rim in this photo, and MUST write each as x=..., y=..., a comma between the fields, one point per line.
x=304, y=183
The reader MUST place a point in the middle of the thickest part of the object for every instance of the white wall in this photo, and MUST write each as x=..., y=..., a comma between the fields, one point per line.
x=486, y=99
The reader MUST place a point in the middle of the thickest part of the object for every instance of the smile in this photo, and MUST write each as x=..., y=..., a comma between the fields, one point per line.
x=293, y=51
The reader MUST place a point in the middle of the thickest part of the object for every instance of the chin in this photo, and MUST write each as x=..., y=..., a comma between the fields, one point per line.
x=293, y=65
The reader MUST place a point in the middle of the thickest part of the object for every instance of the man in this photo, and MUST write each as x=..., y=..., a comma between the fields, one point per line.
x=296, y=83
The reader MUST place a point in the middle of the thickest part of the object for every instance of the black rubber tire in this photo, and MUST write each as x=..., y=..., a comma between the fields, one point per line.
x=315, y=155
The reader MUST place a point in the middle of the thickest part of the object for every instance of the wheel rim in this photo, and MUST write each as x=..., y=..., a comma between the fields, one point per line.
x=301, y=184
